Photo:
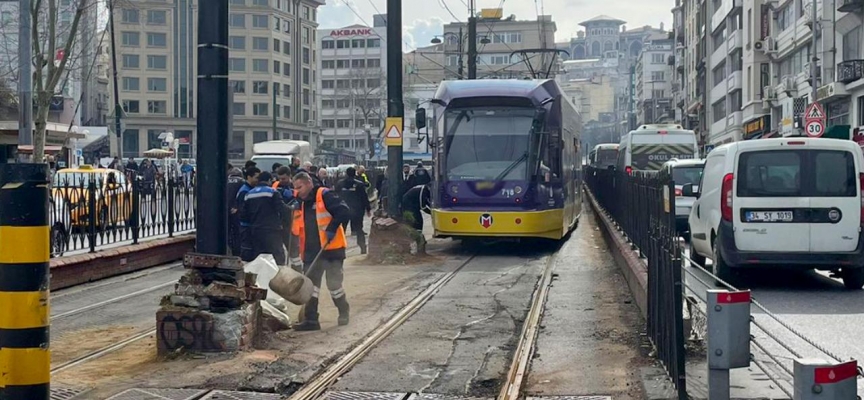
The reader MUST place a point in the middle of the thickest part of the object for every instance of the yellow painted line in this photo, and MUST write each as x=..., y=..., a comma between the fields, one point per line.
x=24, y=244
x=22, y=367
x=22, y=310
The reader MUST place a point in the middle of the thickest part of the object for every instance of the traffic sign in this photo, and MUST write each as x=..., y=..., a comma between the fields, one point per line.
x=79, y=153
x=814, y=128
x=393, y=132
x=814, y=112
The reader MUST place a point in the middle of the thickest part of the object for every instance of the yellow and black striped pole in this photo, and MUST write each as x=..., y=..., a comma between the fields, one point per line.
x=25, y=358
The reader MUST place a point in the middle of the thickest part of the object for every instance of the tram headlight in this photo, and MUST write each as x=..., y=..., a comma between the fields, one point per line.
x=517, y=189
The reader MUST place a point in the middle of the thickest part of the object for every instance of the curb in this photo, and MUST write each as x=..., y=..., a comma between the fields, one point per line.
x=635, y=270
x=83, y=268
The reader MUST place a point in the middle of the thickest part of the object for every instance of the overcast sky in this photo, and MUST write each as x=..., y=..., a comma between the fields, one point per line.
x=421, y=23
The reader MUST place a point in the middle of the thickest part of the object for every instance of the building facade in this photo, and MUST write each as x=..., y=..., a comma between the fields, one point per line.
x=353, y=66
x=272, y=66
x=654, y=80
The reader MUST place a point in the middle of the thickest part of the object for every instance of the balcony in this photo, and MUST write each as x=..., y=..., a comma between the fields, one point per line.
x=850, y=71
x=850, y=5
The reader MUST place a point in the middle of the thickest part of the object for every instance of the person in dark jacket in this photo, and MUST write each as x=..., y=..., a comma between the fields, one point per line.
x=421, y=175
x=263, y=209
x=291, y=242
x=235, y=182
x=318, y=222
x=416, y=199
x=353, y=191
x=246, y=251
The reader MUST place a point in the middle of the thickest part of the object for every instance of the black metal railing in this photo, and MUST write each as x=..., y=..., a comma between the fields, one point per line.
x=850, y=71
x=92, y=210
x=643, y=206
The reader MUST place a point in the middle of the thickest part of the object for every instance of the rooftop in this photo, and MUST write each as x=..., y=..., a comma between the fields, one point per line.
x=602, y=18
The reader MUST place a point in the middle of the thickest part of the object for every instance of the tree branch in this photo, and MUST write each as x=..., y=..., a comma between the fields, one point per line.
x=70, y=41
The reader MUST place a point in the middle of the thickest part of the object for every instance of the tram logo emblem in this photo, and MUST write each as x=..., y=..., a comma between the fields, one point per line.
x=486, y=221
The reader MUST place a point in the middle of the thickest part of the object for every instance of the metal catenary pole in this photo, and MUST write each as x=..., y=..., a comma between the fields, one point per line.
x=212, y=219
x=25, y=72
x=813, y=57
x=395, y=107
x=118, y=108
x=461, y=51
x=472, y=41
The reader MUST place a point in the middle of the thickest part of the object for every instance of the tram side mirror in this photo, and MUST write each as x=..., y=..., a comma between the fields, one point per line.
x=420, y=118
x=689, y=190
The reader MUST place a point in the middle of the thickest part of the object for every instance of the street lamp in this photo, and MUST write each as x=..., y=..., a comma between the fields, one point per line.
x=460, y=39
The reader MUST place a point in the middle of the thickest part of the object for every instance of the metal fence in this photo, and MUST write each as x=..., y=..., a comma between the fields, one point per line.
x=643, y=206
x=92, y=210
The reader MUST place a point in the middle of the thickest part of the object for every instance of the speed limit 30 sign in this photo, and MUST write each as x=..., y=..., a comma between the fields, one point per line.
x=814, y=128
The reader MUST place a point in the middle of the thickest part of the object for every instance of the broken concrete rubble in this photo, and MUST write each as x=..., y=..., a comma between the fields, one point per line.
x=215, y=308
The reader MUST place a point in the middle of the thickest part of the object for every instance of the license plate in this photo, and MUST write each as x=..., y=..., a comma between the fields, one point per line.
x=769, y=216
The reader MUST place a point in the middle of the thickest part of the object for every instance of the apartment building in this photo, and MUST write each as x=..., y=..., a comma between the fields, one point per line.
x=273, y=72
x=690, y=83
x=498, y=37
x=654, y=80
x=724, y=72
x=353, y=67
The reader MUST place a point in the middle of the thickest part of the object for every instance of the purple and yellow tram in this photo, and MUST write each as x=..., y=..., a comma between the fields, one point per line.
x=506, y=160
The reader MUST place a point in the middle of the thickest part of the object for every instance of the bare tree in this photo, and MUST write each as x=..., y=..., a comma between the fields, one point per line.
x=365, y=91
x=8, y=102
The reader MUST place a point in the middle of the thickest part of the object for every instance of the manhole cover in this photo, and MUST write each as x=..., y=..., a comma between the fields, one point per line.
x=364, y=396
x=226, y=395
x=159, y=394
x=431, y=396
x=61, y=392
x=571, y=398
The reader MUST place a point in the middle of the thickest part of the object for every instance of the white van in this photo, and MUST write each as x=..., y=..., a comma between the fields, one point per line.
x=789, y=202
x=649, y=146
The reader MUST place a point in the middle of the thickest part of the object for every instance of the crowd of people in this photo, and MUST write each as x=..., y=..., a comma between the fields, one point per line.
x=300, y=215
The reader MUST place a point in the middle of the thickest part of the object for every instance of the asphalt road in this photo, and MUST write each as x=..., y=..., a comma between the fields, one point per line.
x=815, y=305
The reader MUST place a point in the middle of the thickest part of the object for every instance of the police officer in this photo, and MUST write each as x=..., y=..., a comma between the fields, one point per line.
x=251, y=174
x=263, y=209
x=353, y=191
x=415, y=200
x=318, y=222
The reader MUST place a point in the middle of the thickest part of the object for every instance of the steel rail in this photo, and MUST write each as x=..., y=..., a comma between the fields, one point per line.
x=525, y=349
x=321, y=382
x=114, y=300
x=101, y=352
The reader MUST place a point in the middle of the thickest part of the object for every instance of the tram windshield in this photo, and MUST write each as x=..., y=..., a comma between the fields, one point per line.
x=488, y=143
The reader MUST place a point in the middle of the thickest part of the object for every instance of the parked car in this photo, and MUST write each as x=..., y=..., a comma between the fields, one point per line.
x=788, y=202
x=683, y=172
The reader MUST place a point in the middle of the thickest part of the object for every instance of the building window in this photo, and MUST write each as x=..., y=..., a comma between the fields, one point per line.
x=328, y=64
x=343, y=44
x=157, y=107
x=838, y=113
x=305, y=97
x=260, y=21
x=328, y=123
x=131, y=106
x=260, y=109
x=259, y=87
x=157, y=62
x=237, y=20
x=259, y=136
x=157, y=85
x=306, y=115
x=373, y=43
x=238, y=2
x=305, y=76
x=237, y=64
x=263, y=3
x=276, y=66
x=719, y=109
x=327, y=84
x=785, y=17
x=131, y=39
x=373, y=63
x=658, y=58
x=735, y=101
x=343, y=64
x=156, y=17
x=658, y=94
x=260, y=65
x=373, y=83
x=719, y=37
x=260, y=44
x=130, y=143
x=238, y=109
x=358, y=43
x=852, y=44
x=306, y=56
x=286, y=49
x=719, y=73
x=238, y=86
x=860, y=110
x=328, y=104
x=328, y=44
x=286, y=90
x=130, y=17
x=358, y=63
x=307, y=35
x=157, y=40
x=276, y=45
x=131, y=61
x=237, y=42
x=658, y=76
x=286, y=112
x=237, y=147
x=737, y=60
x=286, y=69
x=131, y=84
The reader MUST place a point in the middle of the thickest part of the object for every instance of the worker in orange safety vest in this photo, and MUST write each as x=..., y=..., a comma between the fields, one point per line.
x=318, y=223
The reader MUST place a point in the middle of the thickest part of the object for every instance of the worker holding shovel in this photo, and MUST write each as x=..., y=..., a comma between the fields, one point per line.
x=318, y=223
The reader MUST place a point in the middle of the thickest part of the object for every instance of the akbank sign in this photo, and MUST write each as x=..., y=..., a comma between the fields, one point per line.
x=352, y=32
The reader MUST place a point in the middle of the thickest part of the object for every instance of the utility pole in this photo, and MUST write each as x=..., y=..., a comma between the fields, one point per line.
x=395, y=107
x=472, y=41
x=118, y=109
x=814, y=58
x=275, y=111
x=213, y=111
x=25, y=75
x=461, y=54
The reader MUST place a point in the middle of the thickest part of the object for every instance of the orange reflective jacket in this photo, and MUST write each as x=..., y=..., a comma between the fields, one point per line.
x=324, y=218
